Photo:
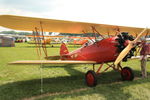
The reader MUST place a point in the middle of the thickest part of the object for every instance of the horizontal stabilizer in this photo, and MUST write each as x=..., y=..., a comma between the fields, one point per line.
x=139, y=57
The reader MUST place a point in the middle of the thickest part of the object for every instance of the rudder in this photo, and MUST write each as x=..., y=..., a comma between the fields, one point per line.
x=63, y=49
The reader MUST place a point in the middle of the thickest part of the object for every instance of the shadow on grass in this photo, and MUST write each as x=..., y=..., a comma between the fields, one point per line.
x=109, y=86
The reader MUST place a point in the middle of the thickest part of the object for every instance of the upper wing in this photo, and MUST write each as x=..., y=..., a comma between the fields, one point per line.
x=51, y=62
x=51, y=25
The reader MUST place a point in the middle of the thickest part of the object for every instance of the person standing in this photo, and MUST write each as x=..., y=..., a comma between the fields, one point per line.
x=144, y=52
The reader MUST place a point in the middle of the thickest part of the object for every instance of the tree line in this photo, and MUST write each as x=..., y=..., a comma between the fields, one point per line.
x=62, y=34
x=15, y=33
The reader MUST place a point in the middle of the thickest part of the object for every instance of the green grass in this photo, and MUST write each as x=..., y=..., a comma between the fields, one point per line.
x=64, y=82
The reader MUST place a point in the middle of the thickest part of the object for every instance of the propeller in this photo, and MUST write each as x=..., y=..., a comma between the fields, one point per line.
x=128, y=48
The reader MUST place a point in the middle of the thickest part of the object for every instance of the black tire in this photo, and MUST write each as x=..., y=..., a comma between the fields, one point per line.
x=127, y=74
x=91, y=78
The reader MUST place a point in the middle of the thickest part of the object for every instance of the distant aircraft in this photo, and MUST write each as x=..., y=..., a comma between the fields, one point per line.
x=79, y=42
x=110, y=51
x=47, y=39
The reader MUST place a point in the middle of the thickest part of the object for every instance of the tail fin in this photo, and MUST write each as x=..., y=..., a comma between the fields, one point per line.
x=63, y=49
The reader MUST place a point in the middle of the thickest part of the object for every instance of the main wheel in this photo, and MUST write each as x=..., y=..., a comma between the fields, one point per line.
x=91, y=78
x=127, y=74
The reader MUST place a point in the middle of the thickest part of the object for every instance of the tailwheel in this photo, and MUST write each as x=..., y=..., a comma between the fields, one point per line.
x=127, y=74
x=91, y=78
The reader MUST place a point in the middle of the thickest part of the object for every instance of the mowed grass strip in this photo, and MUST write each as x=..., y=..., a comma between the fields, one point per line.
x=64, y=82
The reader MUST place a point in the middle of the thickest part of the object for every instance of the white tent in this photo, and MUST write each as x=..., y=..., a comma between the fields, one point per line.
x=6, y=41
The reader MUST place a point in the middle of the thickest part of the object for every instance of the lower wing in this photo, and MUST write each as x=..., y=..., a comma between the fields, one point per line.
x=52, y=62
x=139, y=57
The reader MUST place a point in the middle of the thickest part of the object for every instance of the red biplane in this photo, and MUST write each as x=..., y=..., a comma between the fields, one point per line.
x=118, y=46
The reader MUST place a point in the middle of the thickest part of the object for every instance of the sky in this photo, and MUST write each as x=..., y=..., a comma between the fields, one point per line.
x=133, y=13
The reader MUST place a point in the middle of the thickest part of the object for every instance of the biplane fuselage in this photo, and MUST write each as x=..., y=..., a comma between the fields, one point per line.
x=101, y=51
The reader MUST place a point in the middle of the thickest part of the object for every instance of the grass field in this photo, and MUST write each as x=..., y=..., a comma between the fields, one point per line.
x=64, y=82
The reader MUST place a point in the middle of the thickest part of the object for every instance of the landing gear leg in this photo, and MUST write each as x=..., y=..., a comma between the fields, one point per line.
x=91, y=75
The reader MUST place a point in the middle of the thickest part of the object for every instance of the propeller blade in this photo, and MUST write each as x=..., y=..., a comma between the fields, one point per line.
x=123, y=53
x=128, y=48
